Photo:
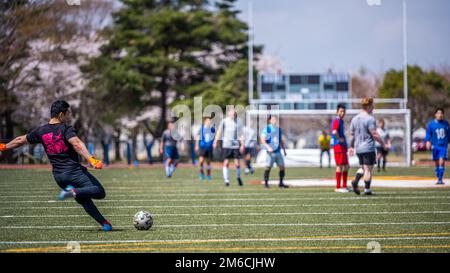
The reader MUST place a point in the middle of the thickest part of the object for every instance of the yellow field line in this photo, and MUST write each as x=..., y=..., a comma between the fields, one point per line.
x=266, y=249
x=100, y=246
x=402, y=178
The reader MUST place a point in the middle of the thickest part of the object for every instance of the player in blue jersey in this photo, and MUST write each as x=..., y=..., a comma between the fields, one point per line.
x=272, y=142
x=204, y=147
x=437, y=139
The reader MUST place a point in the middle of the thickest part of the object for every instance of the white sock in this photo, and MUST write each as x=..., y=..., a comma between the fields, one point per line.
x=238, y=172
x=167, y=169
x=226, y=174
x=172, y=168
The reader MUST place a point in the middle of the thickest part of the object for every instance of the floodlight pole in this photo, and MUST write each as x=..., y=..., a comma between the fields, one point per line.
x=250, y=52
x=405, y=54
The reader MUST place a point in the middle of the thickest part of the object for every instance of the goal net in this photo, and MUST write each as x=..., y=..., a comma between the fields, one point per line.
x=302, y=129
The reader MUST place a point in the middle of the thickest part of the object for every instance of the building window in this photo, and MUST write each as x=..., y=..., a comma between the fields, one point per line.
x=328, y=86
x=342, y=86
x=313, y=79
x=267, y=87
x=295, y=79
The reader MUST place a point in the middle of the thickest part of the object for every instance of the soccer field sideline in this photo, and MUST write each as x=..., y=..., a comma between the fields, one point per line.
x=218, y=219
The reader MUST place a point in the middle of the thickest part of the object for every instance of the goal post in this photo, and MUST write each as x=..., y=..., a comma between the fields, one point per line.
x=303, y=127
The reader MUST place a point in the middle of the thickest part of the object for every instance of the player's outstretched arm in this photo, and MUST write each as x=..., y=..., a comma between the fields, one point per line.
x=81, y=149
x=15, y=143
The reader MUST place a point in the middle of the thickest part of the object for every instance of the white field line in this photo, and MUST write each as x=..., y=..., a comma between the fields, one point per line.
x=259, y=193
x=236, y=214
x=240, y=225
x=236, y=206
x=237, y=199
x=229, y=240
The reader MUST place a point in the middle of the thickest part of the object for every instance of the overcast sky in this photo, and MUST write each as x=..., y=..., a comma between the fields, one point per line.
x=314, y=35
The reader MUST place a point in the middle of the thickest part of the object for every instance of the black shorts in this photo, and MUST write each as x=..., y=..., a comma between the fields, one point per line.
x=231, y=154
x=250, y=151
x=206, y=153
x=382, y=151
x=367, y=158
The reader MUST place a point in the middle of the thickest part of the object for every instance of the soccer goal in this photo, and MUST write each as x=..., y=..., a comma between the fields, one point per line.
x=302, y=129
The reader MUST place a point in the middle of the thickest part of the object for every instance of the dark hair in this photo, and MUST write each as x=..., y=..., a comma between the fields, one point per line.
x=340, y=106
x=439, y=109
x=59, y=106
x=270, y=117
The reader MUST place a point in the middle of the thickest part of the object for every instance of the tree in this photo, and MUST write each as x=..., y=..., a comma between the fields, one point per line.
x=162, y=51
x=426, y=91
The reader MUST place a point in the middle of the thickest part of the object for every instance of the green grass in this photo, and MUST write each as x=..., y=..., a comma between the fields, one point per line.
x=194, y=216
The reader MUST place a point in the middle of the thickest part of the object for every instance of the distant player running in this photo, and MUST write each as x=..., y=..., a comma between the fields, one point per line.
x=437, y=139
x=272, y=142
x=364, y=134
x=168, y=148
x=381, y=152
x=204, y=147
x=62, y=146
x=339, y=144
x=230, y=132
x=250, y=144
x=324, y=143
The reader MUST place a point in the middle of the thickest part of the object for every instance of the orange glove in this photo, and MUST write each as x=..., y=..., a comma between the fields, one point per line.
x=98, y=164
x=2, y=147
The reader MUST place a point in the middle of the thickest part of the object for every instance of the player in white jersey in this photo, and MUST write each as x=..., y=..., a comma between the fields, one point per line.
x=364, y=134
x=230, y=132
x=382, y=153
x=251, y=145
x=272, y=142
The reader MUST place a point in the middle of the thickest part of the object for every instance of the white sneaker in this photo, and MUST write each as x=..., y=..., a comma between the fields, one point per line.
x=246, y=171
x=342, y=190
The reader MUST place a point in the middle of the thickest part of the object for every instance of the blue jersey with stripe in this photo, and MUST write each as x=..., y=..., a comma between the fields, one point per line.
x=273, y=137
x=207, y=135
x=338, y=125
x=438, y=133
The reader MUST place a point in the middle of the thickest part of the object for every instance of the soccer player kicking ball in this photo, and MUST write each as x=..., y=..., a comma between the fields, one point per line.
x=364, y=134
x=168, y=148
x=204, y=147
x=272, y=142
x=230, y=130
x=62, y=146
x=339, y=144
x=437, y=139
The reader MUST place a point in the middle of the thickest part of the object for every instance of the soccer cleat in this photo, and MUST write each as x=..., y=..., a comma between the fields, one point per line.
x=202, y=176
x=227, y=183
x=106, y=226
x=209, y=177
x=440, y=182
x=240, y=182
x=252, y=171
x=283, y=186
x=266, y=185
x=355, y=188
x=368, y=192
x=344, y=190
x=246, y=171
x=66, y=193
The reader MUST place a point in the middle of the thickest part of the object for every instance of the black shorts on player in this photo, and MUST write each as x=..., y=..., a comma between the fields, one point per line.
x=231, y=154
x=368, y=159
x=250, y=151
x=382, y=151
x=206, y=153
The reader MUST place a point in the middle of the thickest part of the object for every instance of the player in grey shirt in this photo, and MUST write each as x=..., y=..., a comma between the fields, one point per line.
x=250, y=144
x=382, y=153
x=364, y=134
x=230, y=132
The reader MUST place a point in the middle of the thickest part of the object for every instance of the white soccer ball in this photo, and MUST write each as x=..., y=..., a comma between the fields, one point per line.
x=143, y=220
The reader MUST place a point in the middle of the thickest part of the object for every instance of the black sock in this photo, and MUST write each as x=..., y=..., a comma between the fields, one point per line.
x=266, y=176
x=367, y=183
x=92, y=210
x=358, y=177
x=384, y=163
x=282, y=174
x=378, y=163
x=248, y=163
